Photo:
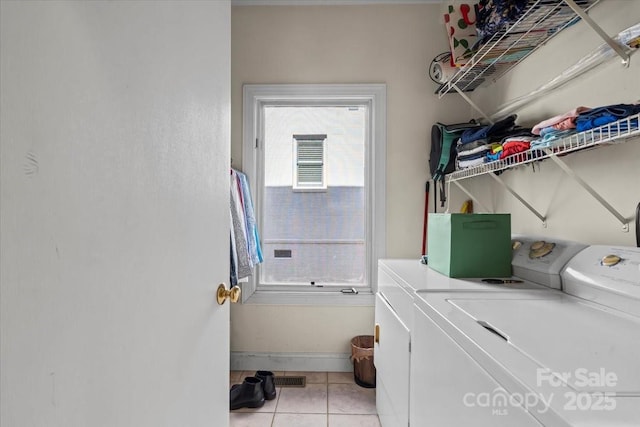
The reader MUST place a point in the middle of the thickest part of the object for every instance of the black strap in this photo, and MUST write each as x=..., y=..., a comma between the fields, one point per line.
x=435, y=197
x=638, y=226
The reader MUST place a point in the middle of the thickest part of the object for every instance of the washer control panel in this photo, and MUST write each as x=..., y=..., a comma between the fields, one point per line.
x=610, y=260
x=540, y=259
x=540, y=248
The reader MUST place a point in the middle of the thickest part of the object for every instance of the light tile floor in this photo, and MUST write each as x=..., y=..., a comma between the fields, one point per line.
x=330, y=399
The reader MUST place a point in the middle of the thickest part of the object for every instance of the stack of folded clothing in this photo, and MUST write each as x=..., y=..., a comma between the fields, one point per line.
x=494, y=153
x=582, y=119
x=483, y=145
x=608, y=114
x=504, y=140
x=473, y=153
x=549, y=137
x=474, y=144
x=564, y=121
x=519, y=144
x=555, y=128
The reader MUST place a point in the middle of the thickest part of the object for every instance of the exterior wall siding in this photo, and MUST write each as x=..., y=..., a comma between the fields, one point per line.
x=324, y=231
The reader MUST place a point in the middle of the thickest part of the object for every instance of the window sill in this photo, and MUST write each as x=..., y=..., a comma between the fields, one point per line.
x=364, y=298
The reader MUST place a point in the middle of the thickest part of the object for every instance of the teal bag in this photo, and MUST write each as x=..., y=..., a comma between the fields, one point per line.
x=443, y=154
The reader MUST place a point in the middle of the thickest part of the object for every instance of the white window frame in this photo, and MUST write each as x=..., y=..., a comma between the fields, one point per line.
x=255, y=97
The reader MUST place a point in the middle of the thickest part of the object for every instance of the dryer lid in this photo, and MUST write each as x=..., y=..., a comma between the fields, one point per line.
x=548, y=345
x=547, y=331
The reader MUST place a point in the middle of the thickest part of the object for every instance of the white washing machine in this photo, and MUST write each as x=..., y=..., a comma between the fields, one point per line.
x=399, y=279
x=527, y=357
x=536, y=264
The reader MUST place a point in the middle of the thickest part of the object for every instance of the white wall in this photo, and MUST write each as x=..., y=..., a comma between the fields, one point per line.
x=390, y=44
x=613, y=171
x=115, y=177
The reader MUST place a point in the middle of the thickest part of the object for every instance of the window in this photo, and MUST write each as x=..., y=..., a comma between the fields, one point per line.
x=314, y=155
x=309, y=168
x=312, y=221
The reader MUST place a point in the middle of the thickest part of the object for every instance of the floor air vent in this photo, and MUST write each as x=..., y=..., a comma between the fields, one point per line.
x=291, y=381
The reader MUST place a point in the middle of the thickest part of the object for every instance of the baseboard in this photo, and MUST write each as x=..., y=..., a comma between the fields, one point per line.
x=310, y=362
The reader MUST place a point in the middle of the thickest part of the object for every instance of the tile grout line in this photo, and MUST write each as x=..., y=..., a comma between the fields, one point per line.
x=327, y=399
x=275, y=408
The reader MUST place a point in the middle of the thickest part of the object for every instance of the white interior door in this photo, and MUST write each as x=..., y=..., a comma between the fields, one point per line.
x=114, y=222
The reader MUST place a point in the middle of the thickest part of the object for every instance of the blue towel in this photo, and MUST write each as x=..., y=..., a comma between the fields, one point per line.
x=604, y=115
x=623, y=126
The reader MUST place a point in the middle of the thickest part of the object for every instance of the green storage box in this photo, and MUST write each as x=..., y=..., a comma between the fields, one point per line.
x=470, y=245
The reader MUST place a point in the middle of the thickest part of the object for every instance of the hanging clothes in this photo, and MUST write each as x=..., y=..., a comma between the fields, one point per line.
x=255, y=251
x=244, y=241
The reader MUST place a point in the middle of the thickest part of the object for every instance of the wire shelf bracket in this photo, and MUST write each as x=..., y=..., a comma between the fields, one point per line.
x=590, y=190
x=471, y=103
x=595, y=27
x=526, y=204
x=475, y=200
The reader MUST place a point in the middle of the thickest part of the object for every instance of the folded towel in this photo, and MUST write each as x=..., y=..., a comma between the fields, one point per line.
x=571, y=114
x=476, y=150
x=465, y=164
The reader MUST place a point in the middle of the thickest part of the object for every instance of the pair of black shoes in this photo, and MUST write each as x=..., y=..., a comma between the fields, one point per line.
x=253, y=391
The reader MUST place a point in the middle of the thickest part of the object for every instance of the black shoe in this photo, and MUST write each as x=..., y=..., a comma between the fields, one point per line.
x=268, y=384
x=249, y=394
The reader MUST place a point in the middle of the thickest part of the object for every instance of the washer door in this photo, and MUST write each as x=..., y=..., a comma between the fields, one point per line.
x=391, y=357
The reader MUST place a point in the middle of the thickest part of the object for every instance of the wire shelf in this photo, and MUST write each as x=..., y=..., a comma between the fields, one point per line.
x=612, y=133
x=542, y=20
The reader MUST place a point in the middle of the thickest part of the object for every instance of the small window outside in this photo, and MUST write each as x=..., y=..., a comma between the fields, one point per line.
x=309, y=169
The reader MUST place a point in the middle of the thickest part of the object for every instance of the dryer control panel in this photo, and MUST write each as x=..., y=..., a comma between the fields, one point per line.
x=606, y=274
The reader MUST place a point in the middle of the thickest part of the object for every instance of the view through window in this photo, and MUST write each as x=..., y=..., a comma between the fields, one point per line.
x=313, y=231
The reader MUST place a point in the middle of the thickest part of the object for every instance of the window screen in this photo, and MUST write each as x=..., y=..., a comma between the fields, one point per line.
x=313, y=210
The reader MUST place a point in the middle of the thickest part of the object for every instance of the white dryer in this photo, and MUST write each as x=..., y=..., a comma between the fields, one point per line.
x=532, y=357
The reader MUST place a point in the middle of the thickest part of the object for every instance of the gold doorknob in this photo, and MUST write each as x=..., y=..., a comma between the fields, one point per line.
x=223, y=294
x=376, y=334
